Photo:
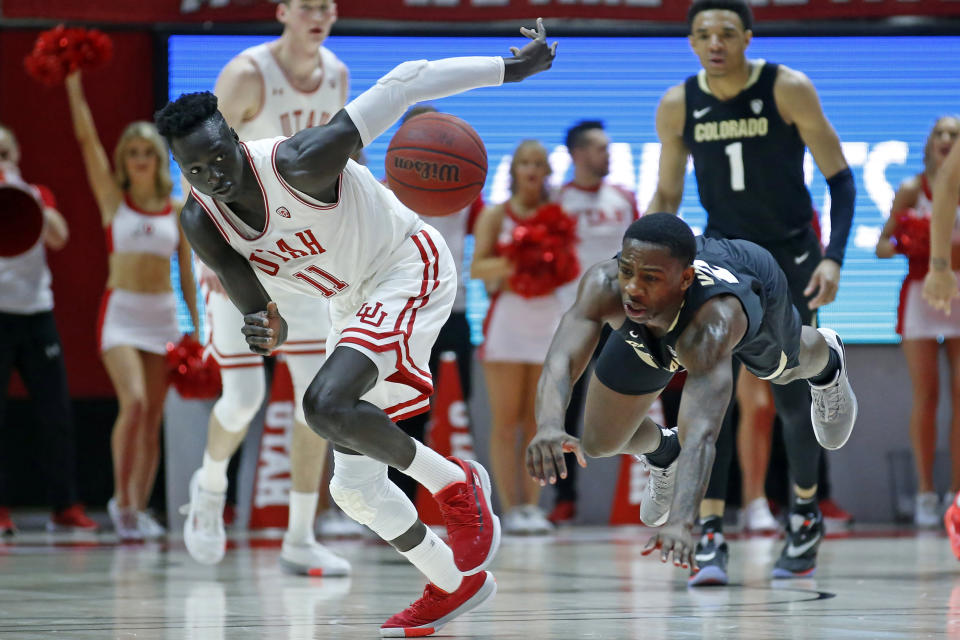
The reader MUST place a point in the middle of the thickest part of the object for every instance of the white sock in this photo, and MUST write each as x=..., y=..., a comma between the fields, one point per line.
x=303, y=510
x=213, y=474
x=435, y=560
x=432, y=470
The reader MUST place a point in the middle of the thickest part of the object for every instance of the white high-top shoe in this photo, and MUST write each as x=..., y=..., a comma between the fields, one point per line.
x=834, y=407
x=203, y=531
x=311, y=558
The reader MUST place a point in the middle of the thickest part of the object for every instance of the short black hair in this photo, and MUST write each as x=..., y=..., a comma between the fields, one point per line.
x=739, y=7
x=575, y=133
x=186, y=113
x=667, y=230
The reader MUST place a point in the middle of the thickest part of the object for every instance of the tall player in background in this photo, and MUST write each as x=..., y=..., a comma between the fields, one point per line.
x=603, y=212
x=276, y=88
x=746, y=123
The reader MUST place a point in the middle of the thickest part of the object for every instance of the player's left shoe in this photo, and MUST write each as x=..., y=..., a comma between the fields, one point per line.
x=710, y=557
x=436, y=607
x=473, y=529
x=951, y=520
x=804, y=535
x=834, y=407
x=658, y=496
x=312, y=559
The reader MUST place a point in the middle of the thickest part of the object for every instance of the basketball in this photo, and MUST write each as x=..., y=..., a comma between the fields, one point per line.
x=436, y=164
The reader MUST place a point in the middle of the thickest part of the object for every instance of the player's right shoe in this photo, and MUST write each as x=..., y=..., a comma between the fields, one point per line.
x=312, y=559
x=711, y=560
x=473, y=529
x=951, y=520
x=834, y=407
x=203, y=531
x=436, y=607
x=804, y=534
x=658, y=496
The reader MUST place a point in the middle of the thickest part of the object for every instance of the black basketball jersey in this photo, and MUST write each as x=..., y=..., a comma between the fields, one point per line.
x=748, y=161
x=726, y=267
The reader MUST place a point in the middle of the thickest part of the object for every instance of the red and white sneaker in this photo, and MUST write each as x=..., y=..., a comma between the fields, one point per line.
x=473, y=529
x=73, y=518
x=7, y=528
x=436, y=607
x=951, y=520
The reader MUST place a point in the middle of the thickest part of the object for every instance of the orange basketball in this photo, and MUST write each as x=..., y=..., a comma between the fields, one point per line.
x=436, y=164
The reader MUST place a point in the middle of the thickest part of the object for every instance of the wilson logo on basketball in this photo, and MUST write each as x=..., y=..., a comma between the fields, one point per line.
x=429, y=170
x=282, y=211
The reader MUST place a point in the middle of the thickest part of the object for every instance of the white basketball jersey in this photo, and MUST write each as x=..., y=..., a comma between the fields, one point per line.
x=311, y=247
x=287, y=110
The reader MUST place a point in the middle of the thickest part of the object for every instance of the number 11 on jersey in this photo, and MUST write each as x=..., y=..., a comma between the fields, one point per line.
x=734, y=151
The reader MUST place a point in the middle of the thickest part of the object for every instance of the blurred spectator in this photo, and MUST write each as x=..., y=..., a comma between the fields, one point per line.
x=517, y=334
x=138, y=313
x=922, y=326
x=603, y=212
x=30, y=343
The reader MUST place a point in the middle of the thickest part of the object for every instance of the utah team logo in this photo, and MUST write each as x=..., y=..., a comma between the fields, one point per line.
x=372, y=315
x=282, y=211
x=756, y=106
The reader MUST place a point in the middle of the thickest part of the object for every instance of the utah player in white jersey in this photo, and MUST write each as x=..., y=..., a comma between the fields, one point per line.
x=299, y=213
x=276, y=88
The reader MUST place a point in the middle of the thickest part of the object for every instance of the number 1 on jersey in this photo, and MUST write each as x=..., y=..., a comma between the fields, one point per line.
x=734, y=151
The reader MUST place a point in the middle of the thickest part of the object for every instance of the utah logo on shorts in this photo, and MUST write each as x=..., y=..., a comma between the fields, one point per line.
x=283, y=211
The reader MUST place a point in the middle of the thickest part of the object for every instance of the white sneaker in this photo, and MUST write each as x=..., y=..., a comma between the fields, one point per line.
x=926, y=512
x=658, y=495
x=757, y=517
x=537, y=522
x=334, y=523
x=149, y=527
x=203, y=531
x=124, y=521
x=834, y=407
x=311, y=558
x=514, y=522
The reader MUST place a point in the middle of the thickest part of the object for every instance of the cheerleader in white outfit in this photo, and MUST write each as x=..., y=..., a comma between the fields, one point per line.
x=138, y=312
x=921, y=327
x=517, y=334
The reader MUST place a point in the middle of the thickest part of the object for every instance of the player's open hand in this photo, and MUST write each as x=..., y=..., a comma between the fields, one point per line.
x=534, y=57
x=675, y=540
x=940, y=288
x=545, y=461
x=265, y=330
x=824, y=282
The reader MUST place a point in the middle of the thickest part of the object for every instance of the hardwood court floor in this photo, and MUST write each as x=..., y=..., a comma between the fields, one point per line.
x=581, y=583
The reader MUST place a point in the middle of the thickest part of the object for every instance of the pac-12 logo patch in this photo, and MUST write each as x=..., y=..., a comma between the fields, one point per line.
x=756, y=106
x=282, y=211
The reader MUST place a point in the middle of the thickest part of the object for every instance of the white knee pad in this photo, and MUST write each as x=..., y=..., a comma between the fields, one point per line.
x=375, y=502
x=303, y=369
x=243, y=392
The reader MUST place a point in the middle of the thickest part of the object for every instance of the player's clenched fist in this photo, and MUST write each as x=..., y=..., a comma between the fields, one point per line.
x=265, y=330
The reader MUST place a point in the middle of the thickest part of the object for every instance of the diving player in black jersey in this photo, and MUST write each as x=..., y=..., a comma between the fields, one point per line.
x=679, y=302
x=746, y=123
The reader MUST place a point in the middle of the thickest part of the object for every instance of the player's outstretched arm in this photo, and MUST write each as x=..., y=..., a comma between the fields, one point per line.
x=264, y=328
x=312, y=159
x=598, y=301
x=940, y=284
x=673, y=152
x=705, y=349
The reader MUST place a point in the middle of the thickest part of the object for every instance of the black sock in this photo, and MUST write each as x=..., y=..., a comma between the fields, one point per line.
x=829, y=372
x=664, y=455
x=712, y=524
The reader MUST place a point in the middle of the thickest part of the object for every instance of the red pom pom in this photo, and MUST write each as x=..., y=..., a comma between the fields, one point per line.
x=912, y=233
x=543, y=251
x=190, y=373
x=60, y=51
